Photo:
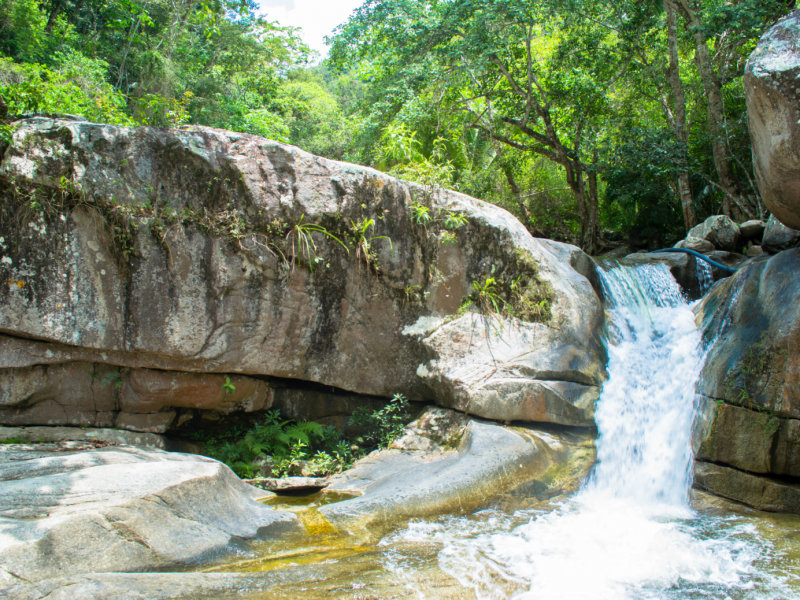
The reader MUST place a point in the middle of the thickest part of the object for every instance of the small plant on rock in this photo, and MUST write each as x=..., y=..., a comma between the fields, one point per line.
x=302, y=244
x=362, y=241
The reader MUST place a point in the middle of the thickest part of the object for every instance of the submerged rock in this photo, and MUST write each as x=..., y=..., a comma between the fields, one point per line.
x=772, y=84
x=148, y=267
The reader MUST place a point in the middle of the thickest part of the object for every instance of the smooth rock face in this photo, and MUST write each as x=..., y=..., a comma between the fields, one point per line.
x=772, y=91
x=755, y=318
x=755, y=491
x=778, y=236
x=696, y=244
x=752, y=371
x=65, y=511
x=83, y=434
x=719, y=230
x=449, y=463
x=179, y=258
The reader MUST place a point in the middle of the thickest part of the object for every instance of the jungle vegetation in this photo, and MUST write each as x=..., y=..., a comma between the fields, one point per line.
x=594, y=121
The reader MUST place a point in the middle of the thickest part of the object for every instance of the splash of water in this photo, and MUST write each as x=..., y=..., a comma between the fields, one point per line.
x=629, y=534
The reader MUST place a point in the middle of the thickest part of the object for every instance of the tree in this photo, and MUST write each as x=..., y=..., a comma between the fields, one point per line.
x=530, y=75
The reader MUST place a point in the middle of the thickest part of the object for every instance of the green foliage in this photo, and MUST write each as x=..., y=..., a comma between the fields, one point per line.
x=228, y=387
x=147, y=62
x=281, y=447
x=285, y=441
x=486, y=296
x=362, y=240
x=381, y=427
x=531, y=104
x=75, y=86
x=513, y=290
x=302, y=244
x=420, y=214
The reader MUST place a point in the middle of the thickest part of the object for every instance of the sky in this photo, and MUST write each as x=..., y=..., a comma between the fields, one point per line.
x=317, y=18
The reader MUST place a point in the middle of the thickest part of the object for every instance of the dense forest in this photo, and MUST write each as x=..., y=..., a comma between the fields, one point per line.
x=594, y=121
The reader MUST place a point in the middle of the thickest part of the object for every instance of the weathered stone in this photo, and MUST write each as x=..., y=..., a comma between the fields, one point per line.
x=778, y=236
x=786, y=452
x=759, y=492
x=752, y=230
x=435, y=430
x=100, y=395
x=147, y=390
x=753, y=318
x=720, y=230
x=696, y=244
x=214, y=278
x=289, y=484
x=753, y=367
x=755, y=251
x=741, y=438
x=771, y=82
x=56, y=434
x=119, y=508
x=457, y=475
x=479, y=370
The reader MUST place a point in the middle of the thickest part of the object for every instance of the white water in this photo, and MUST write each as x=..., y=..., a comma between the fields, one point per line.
x=705, y=276
x=629, y=534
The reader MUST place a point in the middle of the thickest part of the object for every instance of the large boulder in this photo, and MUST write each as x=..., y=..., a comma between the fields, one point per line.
x=65, y=510
x=778, y=236
x=162, y=269
x=751, y=381
x=771, y=82
x=720, y=231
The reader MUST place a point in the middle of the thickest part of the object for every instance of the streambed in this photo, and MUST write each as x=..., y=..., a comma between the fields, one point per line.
x=716, y=550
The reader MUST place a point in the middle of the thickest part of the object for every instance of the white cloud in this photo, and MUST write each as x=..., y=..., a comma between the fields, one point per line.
x=316, y=18
x=285, y=4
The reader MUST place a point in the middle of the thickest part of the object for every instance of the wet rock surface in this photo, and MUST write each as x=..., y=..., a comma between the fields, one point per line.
x=751, y=380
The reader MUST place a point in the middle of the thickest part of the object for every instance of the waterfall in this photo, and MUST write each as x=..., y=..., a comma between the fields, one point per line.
x=645, y=411
x=705, y=276
x=629, y=533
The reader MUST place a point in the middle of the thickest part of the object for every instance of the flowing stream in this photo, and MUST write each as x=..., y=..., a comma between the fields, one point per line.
x=630, y=533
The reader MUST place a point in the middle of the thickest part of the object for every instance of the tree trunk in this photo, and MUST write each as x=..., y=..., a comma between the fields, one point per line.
x=515, y=191
x=55, y=9
x=679, y=118
x=734, y=199
x=592, y=234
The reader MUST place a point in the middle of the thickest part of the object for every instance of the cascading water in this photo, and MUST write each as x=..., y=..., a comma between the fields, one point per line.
x=705, y=276
x=629, y=533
